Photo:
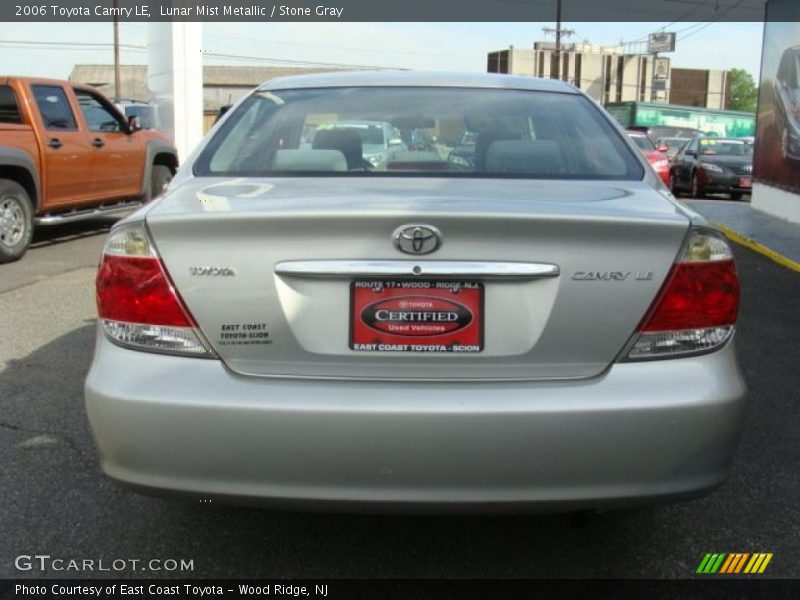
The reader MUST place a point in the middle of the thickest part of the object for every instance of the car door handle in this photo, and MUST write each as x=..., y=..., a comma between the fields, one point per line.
x=98, y=143
x=55, y=143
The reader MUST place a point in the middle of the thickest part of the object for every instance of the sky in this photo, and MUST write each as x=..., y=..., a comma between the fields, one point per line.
x=27, y=49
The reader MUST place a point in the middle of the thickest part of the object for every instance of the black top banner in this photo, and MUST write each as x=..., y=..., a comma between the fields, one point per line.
x=383, y=10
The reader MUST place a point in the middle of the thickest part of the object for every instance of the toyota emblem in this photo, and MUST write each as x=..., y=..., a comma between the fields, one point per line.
x=417, y=239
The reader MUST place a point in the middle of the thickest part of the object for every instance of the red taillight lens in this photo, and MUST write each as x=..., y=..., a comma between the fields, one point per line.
x=138, y=306
x=136, y=290
x=695, y=311
x=697, y=295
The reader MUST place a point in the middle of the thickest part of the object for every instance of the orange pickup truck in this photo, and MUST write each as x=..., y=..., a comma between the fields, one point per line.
x=67, y=153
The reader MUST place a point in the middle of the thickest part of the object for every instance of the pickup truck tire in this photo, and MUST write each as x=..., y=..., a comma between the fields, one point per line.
x=16, y=221
x=160, y=176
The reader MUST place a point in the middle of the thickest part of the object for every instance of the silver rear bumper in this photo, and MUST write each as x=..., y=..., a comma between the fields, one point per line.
x=642, y=432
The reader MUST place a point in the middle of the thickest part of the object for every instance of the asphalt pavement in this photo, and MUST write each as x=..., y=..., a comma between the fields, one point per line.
x=57, y=502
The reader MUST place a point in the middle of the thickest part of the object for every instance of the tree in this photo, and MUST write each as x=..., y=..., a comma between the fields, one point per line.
x=744, y=93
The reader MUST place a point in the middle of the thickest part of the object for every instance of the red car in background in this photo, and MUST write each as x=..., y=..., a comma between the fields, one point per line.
x=657, y=157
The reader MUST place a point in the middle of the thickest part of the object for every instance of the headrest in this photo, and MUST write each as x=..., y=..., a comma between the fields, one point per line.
x=535, y=157
x=309, y=160
x=345, y=140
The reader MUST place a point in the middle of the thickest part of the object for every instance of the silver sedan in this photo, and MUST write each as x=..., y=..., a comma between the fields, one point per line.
x=535, y=325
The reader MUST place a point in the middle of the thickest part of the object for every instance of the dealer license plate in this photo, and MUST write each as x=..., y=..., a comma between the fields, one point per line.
x=416, y=316
x=745, y=182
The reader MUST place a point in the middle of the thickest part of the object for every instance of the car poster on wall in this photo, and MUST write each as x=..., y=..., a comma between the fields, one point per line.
x=777, y=152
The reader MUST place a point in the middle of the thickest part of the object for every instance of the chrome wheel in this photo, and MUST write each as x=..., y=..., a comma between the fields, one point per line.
x=12, y=221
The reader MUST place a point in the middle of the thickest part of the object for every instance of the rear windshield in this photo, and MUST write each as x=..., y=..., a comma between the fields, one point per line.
x=448, y=132
x=725, y=147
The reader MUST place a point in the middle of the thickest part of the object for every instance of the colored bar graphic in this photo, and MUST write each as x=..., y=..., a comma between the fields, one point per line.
x=727, y=564
x=721, y=562
x=764, y=564
x=703, y=564
x=741, y=562
x=711, y=563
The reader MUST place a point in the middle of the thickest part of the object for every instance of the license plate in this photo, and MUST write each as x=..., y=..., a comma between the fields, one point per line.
x=416, y=316
x=745, y=182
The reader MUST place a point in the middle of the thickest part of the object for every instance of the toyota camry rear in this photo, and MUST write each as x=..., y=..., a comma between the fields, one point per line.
x=531, y=324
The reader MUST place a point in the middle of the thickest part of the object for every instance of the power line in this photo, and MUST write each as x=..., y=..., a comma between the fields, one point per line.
x=291, y=61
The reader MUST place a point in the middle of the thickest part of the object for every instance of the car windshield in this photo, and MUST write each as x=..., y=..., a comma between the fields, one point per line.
x=643, y=142
x=725, y=147
x=422, y=131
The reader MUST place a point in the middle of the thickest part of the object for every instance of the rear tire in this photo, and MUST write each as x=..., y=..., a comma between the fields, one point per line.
x=673, y=186
x=160, y=176
x=697, y=189
x=16, y=221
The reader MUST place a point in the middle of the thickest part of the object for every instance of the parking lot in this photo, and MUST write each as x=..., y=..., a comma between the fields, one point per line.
x=57, y=501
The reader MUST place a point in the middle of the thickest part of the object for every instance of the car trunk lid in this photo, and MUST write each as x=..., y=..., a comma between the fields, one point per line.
x=227, y=244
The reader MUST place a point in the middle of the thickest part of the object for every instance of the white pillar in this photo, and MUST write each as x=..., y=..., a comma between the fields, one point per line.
x=175, y=79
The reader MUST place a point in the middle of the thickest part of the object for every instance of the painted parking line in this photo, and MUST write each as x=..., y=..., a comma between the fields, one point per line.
x=760, y=248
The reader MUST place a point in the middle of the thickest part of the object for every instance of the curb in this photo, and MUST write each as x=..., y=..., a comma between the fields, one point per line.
x=761, y=249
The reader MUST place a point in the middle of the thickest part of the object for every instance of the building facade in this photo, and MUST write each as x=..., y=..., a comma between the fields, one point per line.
x=608, y=75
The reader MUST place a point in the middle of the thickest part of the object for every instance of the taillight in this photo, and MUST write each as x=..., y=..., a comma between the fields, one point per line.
x=695, y=311
x=137, y=304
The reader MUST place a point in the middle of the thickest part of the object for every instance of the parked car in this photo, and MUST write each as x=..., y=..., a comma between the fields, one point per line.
x=66, y=154
x=547, y=330
x=656, y=156
x=714, y=165
x=673, y=145
x=787, y=103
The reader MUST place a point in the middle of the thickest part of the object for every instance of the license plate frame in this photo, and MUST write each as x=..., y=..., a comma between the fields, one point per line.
x=443, y=316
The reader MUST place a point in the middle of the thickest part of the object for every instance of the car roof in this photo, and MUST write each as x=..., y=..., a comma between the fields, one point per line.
x=417, y=79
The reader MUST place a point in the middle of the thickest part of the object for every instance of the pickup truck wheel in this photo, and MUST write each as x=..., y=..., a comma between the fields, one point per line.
x=160, y=176
x=16, y=221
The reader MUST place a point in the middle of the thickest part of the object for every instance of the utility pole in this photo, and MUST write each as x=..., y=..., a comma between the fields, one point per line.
x=555, y=65
x=117, y=77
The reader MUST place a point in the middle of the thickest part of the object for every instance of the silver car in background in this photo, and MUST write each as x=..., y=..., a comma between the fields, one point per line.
x=540, y=326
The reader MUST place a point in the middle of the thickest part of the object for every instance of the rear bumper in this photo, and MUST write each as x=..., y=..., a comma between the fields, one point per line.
x=642, y=432
x=726, y=183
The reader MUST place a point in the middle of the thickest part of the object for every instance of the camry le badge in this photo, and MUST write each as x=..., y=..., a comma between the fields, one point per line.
x=417, y=239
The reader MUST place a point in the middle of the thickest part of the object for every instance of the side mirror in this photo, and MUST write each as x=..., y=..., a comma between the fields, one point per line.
x=133, y=123
x=395, y=142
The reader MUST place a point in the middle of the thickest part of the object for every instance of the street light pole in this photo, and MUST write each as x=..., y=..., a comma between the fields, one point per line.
x=117, y=76
x=555, y=62
x=558, y=40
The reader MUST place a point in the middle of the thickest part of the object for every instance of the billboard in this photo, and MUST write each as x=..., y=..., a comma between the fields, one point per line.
x=777, y=154
x=661, y=42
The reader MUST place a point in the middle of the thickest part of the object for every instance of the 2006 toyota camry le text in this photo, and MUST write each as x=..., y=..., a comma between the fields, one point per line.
x=330, y=307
